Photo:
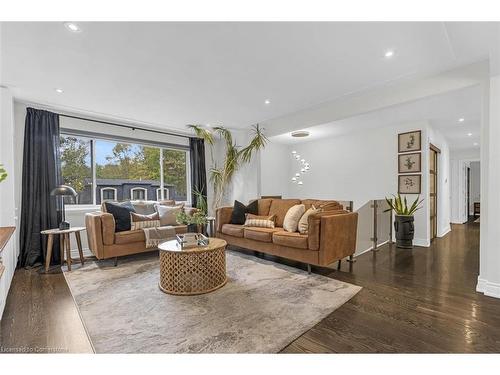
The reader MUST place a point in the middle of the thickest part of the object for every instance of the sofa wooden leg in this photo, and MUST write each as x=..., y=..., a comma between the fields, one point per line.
x=351, y=259
x=309, y=269
x=116, y=261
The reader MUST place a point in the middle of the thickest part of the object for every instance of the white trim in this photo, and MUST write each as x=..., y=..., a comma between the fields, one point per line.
x=138, y=188
x=162, y=195
x=488, y=288
x=109, y=188
x=82, y=207
x=189, y=193
x=421, y=242
x=445, y=231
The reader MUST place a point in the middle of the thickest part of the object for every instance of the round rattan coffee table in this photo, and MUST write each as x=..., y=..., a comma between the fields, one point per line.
x=192, y=271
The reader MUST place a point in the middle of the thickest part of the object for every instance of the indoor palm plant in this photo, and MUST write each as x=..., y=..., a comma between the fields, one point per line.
x=403, y=220
x=235, y=156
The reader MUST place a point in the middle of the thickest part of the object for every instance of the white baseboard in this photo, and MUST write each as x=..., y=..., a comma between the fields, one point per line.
x=421, y=242
x=488, y=288
x=369, y=249
x=445, y=231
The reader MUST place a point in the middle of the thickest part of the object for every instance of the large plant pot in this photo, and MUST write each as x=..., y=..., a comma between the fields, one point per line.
x=404, y=228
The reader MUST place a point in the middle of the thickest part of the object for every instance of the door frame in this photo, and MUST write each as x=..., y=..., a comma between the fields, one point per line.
x=437, y=152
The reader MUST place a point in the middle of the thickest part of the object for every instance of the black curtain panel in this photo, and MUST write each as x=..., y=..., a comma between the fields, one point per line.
x=41, y=174
x=198, y=170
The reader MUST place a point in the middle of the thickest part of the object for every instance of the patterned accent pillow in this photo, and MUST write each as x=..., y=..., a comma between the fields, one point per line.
x=258, y=217
x=138, y=221
x=261, y=223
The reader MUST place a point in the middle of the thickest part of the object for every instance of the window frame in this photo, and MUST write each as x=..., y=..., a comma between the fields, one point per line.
x=132, y=190
x=160, y=196
x=115, y=193
x=93, y=137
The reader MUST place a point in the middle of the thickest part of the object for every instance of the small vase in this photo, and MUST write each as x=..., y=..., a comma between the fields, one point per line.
x=405, y=229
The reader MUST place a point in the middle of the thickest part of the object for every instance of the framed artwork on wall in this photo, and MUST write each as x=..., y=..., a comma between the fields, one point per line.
x=410, y=184
x=410, y=141
x=410, y=163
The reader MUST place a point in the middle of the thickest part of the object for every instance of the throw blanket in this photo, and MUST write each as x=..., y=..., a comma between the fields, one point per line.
x=158, y=234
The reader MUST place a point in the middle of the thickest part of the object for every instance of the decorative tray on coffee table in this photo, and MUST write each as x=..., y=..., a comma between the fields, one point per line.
x=192, y=240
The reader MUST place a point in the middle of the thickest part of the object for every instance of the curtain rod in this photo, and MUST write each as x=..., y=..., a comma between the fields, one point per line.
x=125, y=126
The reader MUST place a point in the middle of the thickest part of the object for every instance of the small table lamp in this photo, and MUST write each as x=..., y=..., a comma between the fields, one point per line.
x=63, y=191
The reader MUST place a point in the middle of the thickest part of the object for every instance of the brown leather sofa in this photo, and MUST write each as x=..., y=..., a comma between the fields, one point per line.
x=105, y=243
x=331, y=235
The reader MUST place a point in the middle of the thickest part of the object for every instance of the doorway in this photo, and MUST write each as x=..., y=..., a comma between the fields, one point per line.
x=468, y=193
x=433, y=189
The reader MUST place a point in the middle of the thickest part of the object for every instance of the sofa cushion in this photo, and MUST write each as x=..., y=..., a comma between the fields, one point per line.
x=121, y=214
x=240, y=210
x=304, y=220
x=129, y=236
x=290, y=239
x=264, y=205
x=324, y=205
x=260, y=234
x=232, y=230
x=168, y=214
x=144, y=207
x=280, y=207
x=292, y=217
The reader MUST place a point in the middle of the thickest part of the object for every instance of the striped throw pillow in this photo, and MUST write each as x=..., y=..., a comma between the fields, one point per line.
x=138, y=221
x=262, y=223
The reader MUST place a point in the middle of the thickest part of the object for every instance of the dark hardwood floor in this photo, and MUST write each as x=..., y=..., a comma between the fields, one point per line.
x=420, y=300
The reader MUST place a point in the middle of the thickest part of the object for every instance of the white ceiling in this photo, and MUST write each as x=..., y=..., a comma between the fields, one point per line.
x=172, y=74
x=442, y=112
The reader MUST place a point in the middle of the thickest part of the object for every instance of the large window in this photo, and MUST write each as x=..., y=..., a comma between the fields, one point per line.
x=76, y=167
x=101, y=170
x=175, y=173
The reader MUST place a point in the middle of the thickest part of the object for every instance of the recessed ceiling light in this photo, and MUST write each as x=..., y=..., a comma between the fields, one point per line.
x=389, y=53
x=267, y=101
x=300, y=134
x=469, y=134
x=59, y=91
x=476, y=144
x=73, y=27
x=461, y=119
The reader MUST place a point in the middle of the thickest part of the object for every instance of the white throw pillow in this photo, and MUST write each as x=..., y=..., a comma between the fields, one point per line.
x=168, y=214
x=304, y=220
x=292, y=217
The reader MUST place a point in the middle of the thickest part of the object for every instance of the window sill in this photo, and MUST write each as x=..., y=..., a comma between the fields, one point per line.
x=82, y=207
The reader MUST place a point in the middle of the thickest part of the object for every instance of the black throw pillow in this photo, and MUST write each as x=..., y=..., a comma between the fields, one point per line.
x=239, y=211
x=121, y=213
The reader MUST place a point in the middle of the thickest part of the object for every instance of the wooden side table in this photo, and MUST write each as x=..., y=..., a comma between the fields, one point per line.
x=64, y=243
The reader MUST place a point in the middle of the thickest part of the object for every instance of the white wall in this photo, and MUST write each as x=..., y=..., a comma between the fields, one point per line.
x=275, y=169
x=360, y=166
x=475, y=184
x=489, y=259
x=8, y=213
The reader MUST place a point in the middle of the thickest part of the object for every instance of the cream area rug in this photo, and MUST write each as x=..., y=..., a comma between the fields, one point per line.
x=263, y=307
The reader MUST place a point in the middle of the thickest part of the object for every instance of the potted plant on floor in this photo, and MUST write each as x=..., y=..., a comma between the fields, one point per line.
x=403, y=219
